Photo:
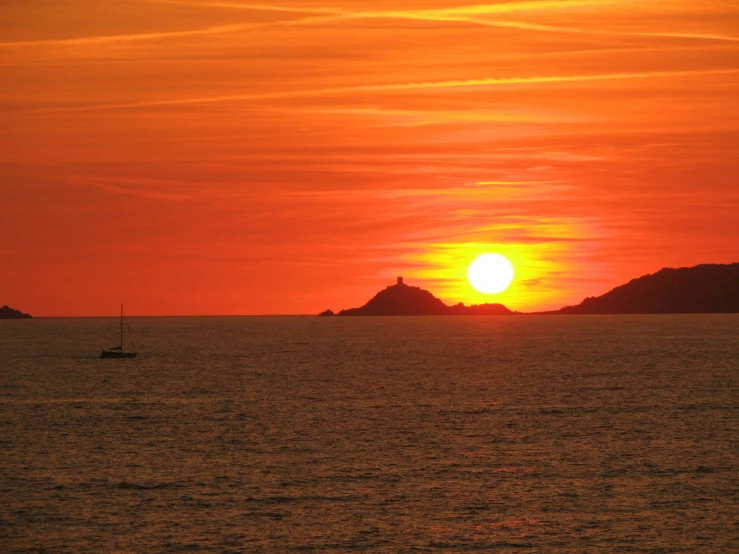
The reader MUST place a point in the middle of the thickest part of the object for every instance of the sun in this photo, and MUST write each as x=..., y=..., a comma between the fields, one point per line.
x=490, y=273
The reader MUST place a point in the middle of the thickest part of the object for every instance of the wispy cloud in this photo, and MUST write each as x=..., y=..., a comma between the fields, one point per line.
x=698, y=36
x=452, y=84
x=478, y=15
x=107, y=39
x=156, y=189
x=476, y=9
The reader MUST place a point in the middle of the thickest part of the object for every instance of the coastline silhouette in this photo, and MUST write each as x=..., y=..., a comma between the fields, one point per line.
x=6, y=312
x=706, y=288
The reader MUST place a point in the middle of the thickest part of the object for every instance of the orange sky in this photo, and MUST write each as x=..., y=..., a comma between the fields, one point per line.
x=234, y=157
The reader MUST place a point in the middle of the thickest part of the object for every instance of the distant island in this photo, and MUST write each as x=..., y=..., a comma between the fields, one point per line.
x=402, y=299
x=7, y=312
x=707, y=288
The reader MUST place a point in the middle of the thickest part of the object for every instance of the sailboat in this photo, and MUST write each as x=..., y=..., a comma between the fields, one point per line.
x=117, y=351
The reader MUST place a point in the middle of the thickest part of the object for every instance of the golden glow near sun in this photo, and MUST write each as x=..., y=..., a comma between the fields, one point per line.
x=490, y=273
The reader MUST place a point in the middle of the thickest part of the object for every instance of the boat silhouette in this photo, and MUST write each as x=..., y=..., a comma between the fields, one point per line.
x=117, y=351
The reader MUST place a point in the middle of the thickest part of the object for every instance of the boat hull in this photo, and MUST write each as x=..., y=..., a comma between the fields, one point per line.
x=109, y=354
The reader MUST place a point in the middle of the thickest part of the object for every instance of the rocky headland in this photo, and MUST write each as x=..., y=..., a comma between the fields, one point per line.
x=707, y=288
x=7, y=312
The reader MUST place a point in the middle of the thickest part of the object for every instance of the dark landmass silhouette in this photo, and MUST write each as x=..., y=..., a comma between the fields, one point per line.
x=401, y=299
x=706, y=288
x=7, y=312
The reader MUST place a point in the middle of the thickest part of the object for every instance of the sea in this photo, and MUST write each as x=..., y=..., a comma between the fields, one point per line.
x=371, y=434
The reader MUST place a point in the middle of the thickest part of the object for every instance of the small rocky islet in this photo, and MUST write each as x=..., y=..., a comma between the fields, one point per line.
x=6, y=312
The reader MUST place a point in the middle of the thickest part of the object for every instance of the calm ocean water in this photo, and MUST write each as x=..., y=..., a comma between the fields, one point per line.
x=282, y=434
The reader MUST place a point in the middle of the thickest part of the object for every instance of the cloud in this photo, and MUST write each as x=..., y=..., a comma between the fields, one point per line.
x=108, y=39
x=472, y=14
x=451, y=84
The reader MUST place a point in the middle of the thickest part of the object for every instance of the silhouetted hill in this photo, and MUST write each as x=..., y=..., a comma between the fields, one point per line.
x=707, y=288
x=480, y=309
x=9, y=313
x=401, y=299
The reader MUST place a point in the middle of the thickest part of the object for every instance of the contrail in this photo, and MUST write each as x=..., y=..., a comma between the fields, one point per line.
x=462, y=14
x=492, y=81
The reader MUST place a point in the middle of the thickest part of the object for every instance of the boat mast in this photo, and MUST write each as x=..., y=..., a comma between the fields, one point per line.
x=121, y=328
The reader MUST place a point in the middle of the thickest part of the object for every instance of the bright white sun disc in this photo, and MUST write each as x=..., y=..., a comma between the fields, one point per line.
x=490, y=273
